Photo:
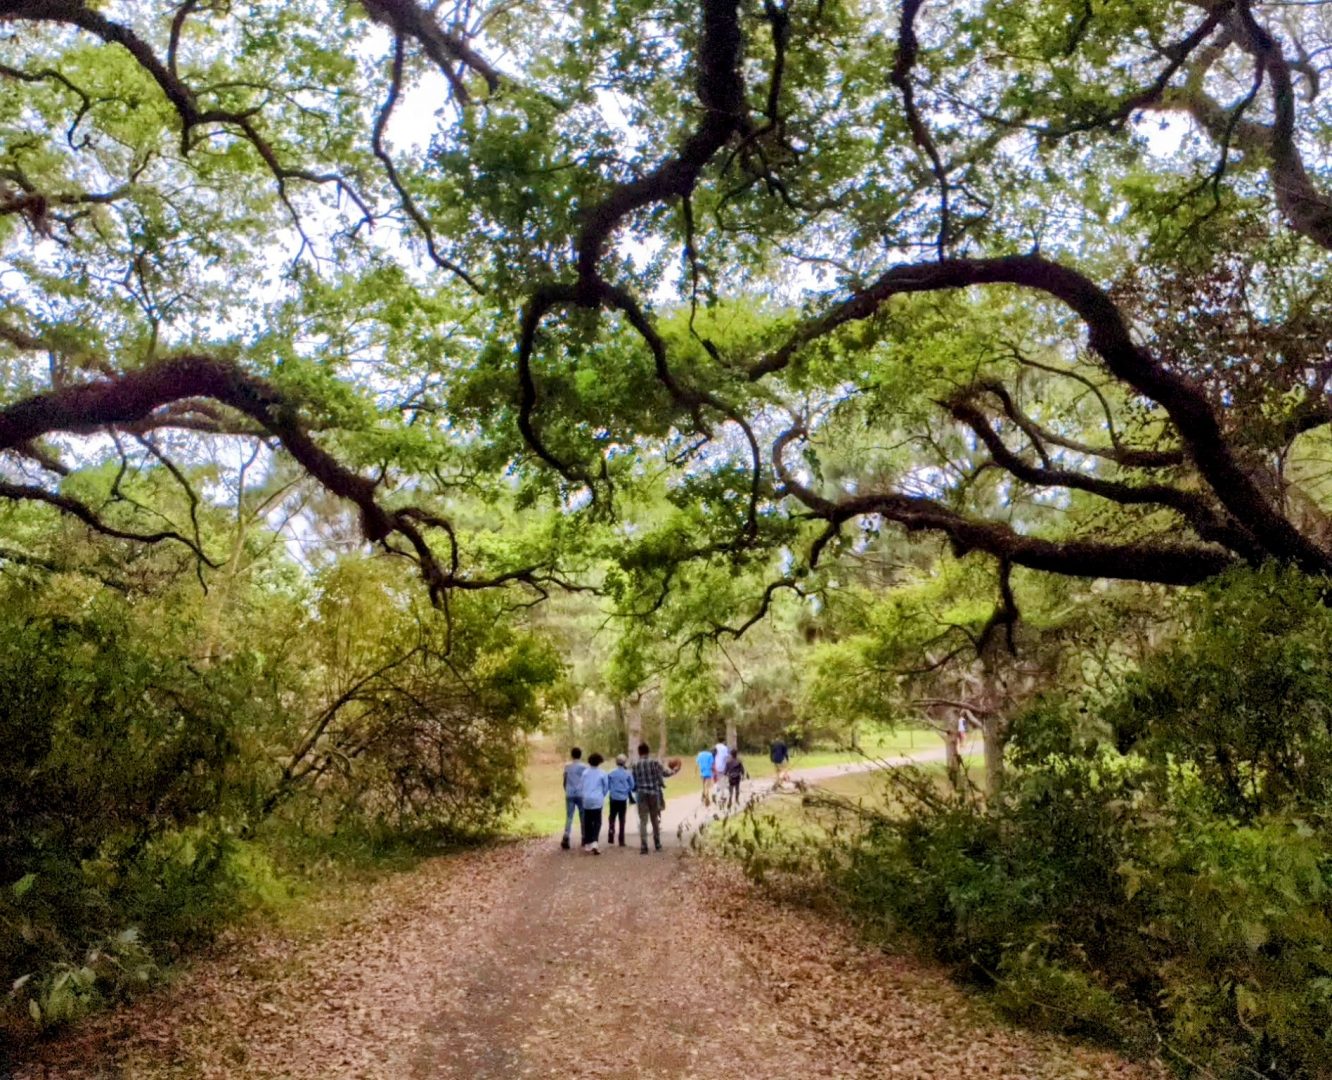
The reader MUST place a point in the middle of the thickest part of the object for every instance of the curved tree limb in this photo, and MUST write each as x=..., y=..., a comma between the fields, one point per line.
x=86, y=514
x=1163, y=562
x=908, y=47
x=446, y=48
x=721, y=92
x=720, y=89
x=182, y=98
x=1306, y=207
x=133, y=397
x=1121, y=454
x=1197, y=510
x=409, y=204
x=1192, y=415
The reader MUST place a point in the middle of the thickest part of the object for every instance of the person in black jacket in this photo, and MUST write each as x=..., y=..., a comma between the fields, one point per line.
x=781, y=761
x=735, y=772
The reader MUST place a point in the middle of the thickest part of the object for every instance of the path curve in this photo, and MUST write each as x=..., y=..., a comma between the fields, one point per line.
x=685, y=812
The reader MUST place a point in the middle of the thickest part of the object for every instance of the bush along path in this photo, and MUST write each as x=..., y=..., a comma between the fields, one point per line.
x=523, y=960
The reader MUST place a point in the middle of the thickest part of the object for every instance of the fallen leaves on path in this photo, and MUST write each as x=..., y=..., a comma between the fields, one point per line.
x=346, y=999
x=524, y=961
x=859, y=1012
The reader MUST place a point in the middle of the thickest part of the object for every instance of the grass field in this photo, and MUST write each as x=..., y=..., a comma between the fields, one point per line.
x=543, y=811
x=799, y=816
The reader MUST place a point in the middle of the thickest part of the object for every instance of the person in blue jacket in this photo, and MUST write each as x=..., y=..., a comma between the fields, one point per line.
x=621, y=794
x=573, y=792
x=595, y=785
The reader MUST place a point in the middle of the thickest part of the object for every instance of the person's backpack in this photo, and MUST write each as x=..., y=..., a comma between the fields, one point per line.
x=735, y=769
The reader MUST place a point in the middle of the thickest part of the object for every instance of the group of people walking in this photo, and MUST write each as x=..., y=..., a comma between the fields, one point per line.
x=721, y=770
x=588, y=788
x=721, y=765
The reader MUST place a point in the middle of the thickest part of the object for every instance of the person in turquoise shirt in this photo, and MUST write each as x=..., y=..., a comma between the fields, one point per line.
x=705, y=771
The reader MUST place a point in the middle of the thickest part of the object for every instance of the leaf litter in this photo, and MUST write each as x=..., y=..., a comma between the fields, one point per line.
x=524, y=961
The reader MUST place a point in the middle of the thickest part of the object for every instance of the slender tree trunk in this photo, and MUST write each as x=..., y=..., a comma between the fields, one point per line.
x=952, y=758
x=632, y=718
x=732, y=736
x=661, y=742
x=219, y=598
x=992, y=734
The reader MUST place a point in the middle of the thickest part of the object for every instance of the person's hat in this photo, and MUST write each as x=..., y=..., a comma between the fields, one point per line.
x=619, y=759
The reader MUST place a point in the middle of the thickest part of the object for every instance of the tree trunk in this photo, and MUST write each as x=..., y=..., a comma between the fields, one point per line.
x=952, y=759
x=992, y=734
x=631, y=723
x=661, y=742
x=732, y=736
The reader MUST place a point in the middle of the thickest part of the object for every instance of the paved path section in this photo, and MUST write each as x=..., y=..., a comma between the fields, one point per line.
x=685, y=812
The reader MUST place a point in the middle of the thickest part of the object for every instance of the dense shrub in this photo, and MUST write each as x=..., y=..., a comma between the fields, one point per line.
x=113, y=789
x=1103, y=897
x=148, y=795
x=1245, y=695
x=1167, y=887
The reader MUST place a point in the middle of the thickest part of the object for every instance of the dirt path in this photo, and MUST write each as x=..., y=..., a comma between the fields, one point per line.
x=526, y=961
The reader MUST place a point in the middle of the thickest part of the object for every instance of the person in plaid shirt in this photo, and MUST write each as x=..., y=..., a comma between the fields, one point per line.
x=650, y=790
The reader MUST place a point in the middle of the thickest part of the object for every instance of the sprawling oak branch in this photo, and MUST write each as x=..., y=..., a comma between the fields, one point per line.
x=721, y=93
x=134, y=398
x=1163, y=562
x=448, y=49
x=1199, y=511
x=908, y=47
x=182, y=97
x=1306, y=207
x=409, y=204
x=1193, y=416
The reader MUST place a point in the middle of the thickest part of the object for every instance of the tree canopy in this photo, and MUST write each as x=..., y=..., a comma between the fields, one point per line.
x=697, y=287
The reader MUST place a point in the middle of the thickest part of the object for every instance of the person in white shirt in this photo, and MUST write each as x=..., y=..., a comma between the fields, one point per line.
x=720, y=753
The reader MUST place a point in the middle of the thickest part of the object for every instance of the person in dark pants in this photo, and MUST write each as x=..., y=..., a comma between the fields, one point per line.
x=780, y=760
x=621, y=793
x=735, y=772
x=650, y=789
x=595, y=785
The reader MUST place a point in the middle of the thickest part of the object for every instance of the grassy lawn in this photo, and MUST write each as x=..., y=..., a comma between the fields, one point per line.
x=876, y=744
x=542, y=814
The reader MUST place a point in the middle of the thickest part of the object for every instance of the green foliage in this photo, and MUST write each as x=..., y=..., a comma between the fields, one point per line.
x=1042, y=994
x=1099, y=897
x=1245, y=695
x=149, y=795
x=115, y=792
x=1131, y=897
x=163, y=741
